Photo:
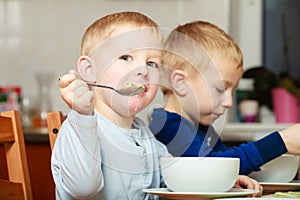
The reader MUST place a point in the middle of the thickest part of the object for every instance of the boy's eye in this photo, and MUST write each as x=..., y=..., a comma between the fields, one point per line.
x=220, y=89
x=152, y=64
x=126, y=58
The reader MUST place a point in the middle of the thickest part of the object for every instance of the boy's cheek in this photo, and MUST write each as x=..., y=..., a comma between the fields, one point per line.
x=216, y=98
x=154, y=76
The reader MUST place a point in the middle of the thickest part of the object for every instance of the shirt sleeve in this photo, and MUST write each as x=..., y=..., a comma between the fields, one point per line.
x=271, y=146
x=254, y=154
x=76, y=158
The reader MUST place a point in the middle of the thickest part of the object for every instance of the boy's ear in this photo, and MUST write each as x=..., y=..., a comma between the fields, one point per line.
x=86, y=69
x=178, y=82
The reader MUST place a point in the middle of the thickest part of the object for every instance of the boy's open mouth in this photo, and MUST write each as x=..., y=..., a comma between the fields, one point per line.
x=132, y=88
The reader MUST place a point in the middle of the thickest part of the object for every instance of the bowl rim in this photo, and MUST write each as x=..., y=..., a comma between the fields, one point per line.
x=199, y=158
x=288, y=155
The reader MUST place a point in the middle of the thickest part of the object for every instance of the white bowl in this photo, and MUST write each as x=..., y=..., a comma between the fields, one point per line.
x=280, y=170
x=200, y=174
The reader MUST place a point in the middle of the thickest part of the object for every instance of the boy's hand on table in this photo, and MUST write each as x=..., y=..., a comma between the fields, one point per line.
x=248, y=183
x=291, y=138
x=76, y=93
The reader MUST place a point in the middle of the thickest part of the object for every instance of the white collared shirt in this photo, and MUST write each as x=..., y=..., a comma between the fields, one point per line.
x=95, y=159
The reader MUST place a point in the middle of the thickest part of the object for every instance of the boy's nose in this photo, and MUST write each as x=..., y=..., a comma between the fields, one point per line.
x=227, y=102
x=142, y=71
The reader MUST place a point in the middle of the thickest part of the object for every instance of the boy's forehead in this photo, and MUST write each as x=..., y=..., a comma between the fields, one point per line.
x=135, y=30
x=228, y=69
x=128, y=38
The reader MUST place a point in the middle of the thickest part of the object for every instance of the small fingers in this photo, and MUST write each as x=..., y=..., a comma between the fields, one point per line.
x=76, y=93
x=256, y=186
x=84, y=104
x=260, y=188
x=80, y=88
x=72, y=90
x=65, y=80
x=85, y=100
x=72, y=71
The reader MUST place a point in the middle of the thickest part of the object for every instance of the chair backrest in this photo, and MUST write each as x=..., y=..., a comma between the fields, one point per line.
x=54, y=121
x=18, y=185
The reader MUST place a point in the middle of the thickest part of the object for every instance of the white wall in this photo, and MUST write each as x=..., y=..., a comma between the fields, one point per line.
x=44, y=35
x=246, y=29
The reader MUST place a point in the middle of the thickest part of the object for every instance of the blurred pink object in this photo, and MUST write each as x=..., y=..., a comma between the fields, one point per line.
x=285, y=106
x=249, y=110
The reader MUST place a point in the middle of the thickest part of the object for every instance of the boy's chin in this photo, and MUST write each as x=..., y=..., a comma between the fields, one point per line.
x=207, y=121
x=135, y=105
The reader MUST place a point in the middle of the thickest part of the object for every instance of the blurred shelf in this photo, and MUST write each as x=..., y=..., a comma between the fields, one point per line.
x=244, y=132
x=231, y=132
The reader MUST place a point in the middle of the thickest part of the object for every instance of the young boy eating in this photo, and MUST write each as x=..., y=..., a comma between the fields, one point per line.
x=202, y=68
x=103, y=151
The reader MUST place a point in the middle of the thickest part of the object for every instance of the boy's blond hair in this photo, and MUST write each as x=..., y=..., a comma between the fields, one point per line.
x=102, y=28
x=192, y=39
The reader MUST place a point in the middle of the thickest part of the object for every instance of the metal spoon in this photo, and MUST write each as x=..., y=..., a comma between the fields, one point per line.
x=126, y=91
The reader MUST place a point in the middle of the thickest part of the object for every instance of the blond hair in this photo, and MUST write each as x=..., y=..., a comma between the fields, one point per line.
x=102, y=28
x=186, y=42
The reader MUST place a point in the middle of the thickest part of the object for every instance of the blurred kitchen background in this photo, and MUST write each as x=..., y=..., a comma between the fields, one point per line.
x=43, y=36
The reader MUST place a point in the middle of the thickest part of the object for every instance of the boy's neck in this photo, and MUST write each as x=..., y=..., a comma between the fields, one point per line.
x=110, y=114
x=172, y=104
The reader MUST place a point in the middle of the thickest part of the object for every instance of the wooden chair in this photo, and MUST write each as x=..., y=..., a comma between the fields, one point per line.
x=18, y=185
x=54, y=121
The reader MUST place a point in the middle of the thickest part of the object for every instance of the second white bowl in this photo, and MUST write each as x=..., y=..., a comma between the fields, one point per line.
x=280, y=170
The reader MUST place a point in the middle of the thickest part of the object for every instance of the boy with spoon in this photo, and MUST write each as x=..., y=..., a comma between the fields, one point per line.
x=103, y=151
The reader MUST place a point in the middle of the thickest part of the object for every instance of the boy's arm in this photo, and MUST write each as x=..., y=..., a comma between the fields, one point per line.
x=291, y=139
x=76, y=159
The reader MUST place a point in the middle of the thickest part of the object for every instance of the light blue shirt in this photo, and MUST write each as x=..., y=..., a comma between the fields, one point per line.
x=95, y=159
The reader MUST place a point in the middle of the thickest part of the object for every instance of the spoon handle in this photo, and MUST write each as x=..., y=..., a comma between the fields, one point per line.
x=98, y=85
x=128, y=91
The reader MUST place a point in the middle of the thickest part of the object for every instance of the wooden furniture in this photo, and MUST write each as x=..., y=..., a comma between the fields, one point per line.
x=38, y=154
x=18, y=185
x=54, y=121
